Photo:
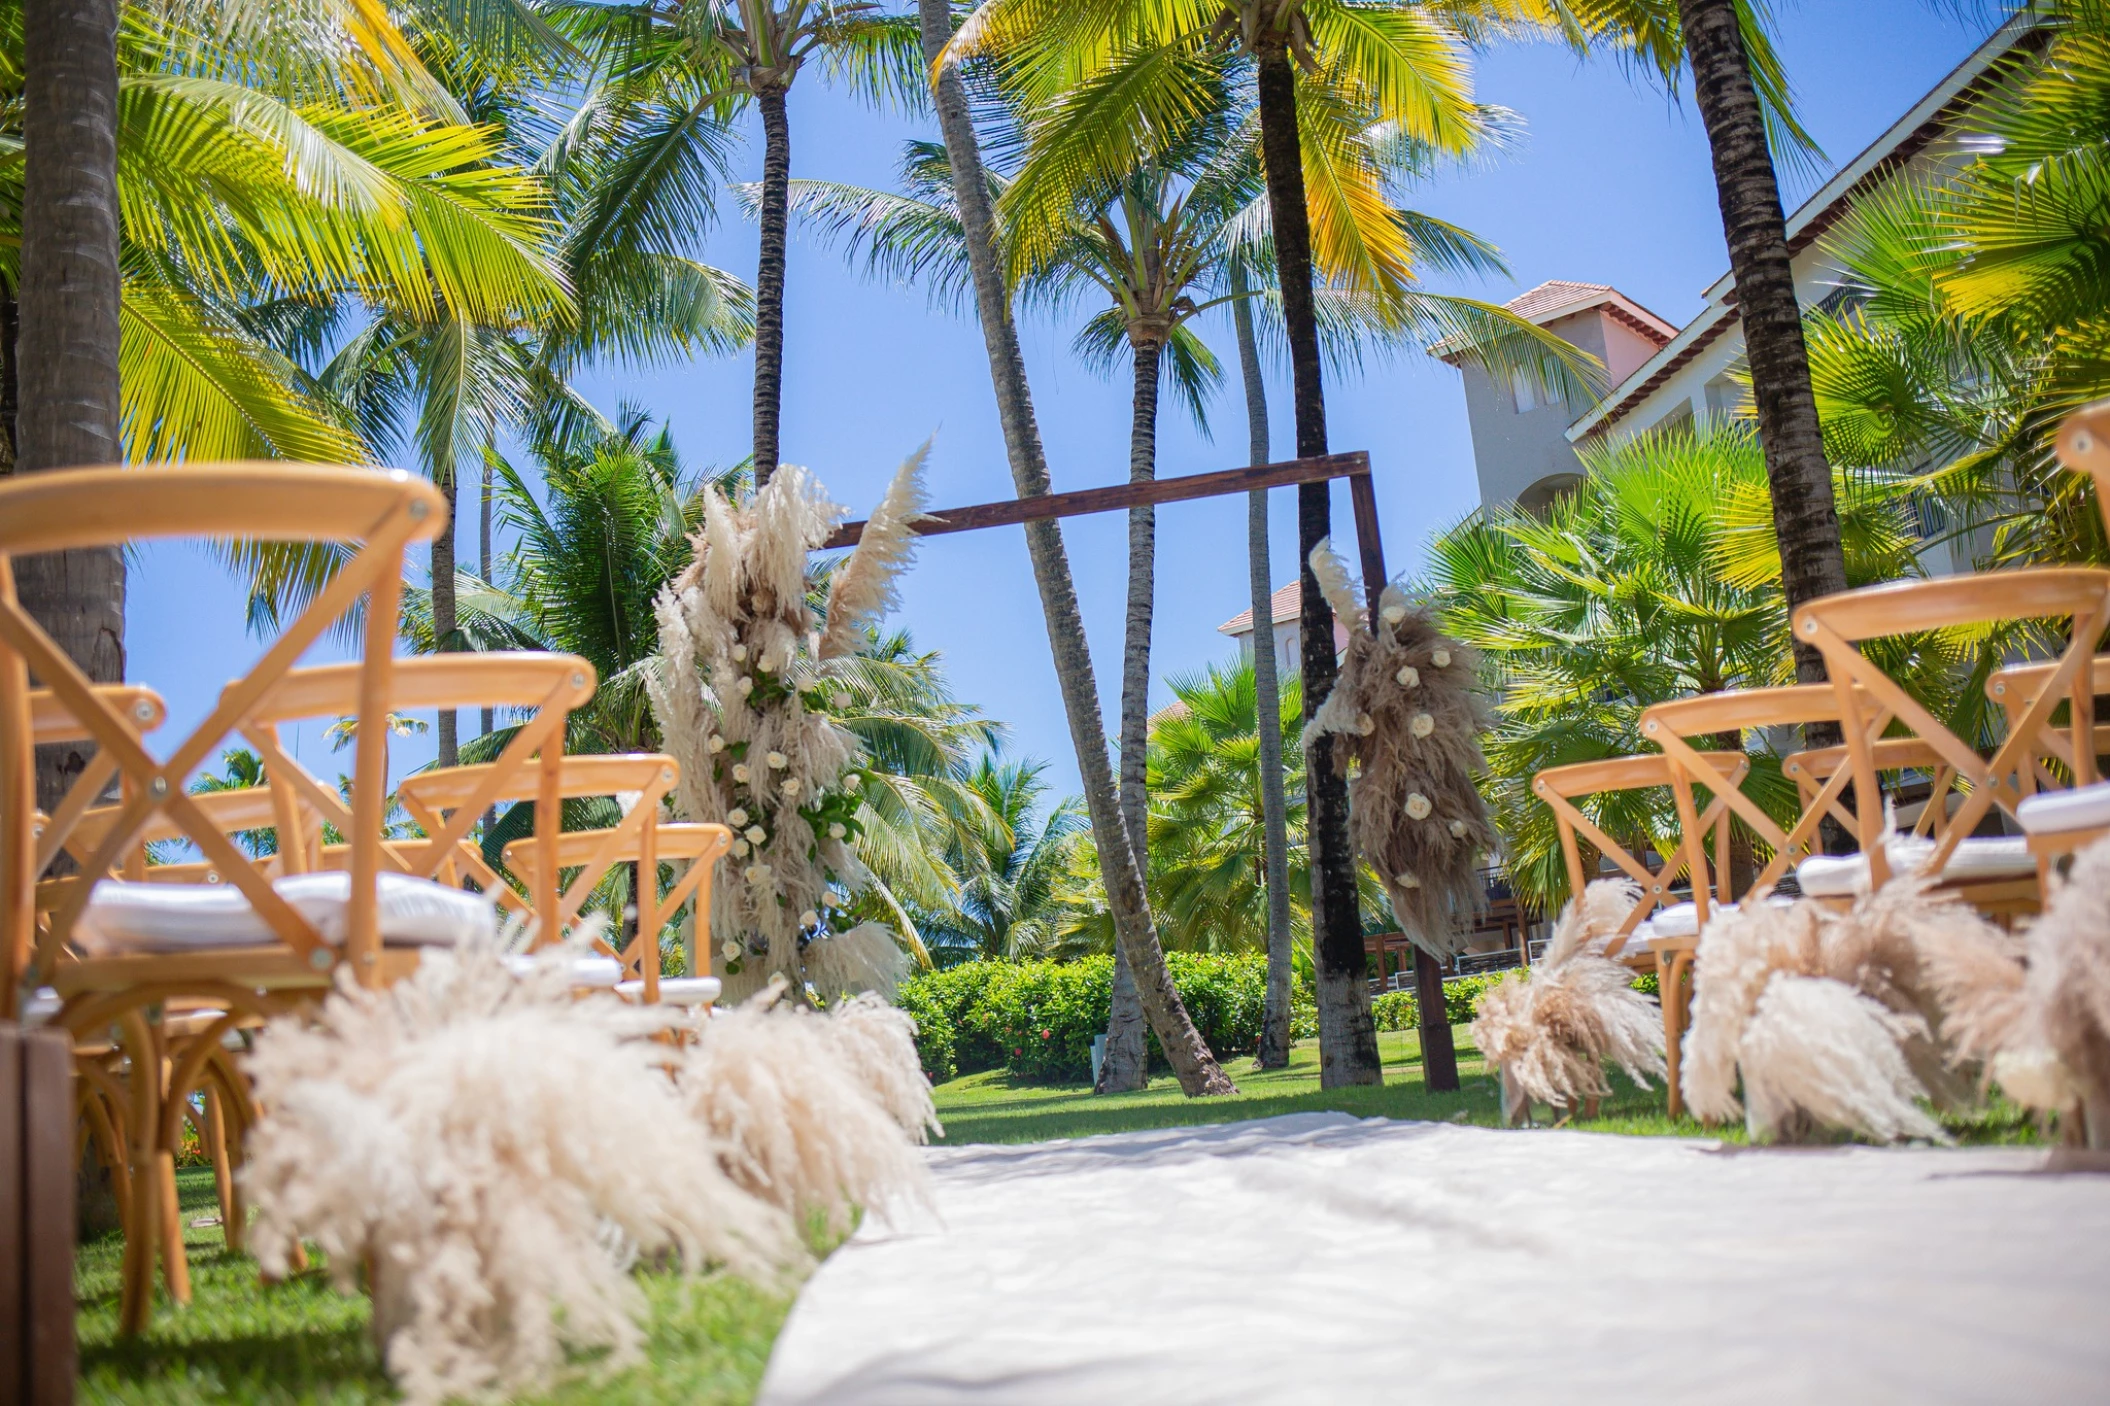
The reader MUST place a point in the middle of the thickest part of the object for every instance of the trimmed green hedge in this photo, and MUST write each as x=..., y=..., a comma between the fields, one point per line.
x=1398, y=1010
x=1038, y=1019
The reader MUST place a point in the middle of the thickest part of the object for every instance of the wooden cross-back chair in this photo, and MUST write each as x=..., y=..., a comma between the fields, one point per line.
x=2058, y=822
x=1657, y=935
x=1562, y=786
x=377, y=515
x=447, y=798
x=592, y=853
x=1823, y=779
x=1838, y=625
x=547, y=687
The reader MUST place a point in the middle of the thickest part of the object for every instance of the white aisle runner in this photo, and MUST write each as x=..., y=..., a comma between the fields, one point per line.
x=1315, y=1258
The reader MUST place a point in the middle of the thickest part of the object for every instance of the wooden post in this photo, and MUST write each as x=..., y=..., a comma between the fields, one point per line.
x=1439, y=1053
x=37, y=1351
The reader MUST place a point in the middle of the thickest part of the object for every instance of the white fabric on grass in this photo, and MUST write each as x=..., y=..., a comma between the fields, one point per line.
x=1315, y=1258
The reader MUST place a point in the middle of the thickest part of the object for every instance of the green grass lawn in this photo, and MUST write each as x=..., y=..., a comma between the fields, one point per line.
x=301, y=1341
x=991, y=1107
x=710, y=1339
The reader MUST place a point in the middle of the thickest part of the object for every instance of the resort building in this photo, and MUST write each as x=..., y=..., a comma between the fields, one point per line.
x=1289, y=637
x=1661, y=376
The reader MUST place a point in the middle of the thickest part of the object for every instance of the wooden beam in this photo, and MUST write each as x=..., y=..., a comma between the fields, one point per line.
x=1119, y=496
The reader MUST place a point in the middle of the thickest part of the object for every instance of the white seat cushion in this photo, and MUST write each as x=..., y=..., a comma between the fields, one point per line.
x=2082, y=808
x=1683, y=919
x=1976, y=858
x=592, y=973
x=676, y=990
x=145, y=917
x=42, y=1005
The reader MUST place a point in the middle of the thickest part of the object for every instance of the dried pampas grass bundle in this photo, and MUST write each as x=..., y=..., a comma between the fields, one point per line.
x=1551, y=1030
x=808, y=1109
x=1832, y=1020
x=2037, y=1009
x=496, y=1153
x=743, y=690
x=1406, y=717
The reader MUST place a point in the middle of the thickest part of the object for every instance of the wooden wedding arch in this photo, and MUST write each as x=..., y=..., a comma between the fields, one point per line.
x=1439, y=1054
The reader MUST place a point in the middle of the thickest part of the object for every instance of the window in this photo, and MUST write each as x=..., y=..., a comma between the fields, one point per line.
x=1522, y=392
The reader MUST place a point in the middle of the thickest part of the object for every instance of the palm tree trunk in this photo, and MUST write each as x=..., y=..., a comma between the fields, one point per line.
x=443, y=611
x=1267, y=696
x=10, y=376
x=68, y=343
x=483, y=563
x=769, y=279
x=1804, y=515
x=1134, y=931
x=1347, y=1038
x=1125, y=1066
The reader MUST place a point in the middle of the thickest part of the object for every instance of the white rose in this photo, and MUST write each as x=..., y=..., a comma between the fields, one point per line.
x=1406, y=881
x=836, y=831
x=766, y=664
x=741, y=773
x=716, y=744
x=1441, y=659
x=1393, y=614
x=1423, y=724
x=737, y=815
x=746, y=685
x=756, y=834
x=831, y=899
x=739, y=849
x=809, y=919
x=852, y=781
x=1458, y=828
x=739, y=653
x=1365, y=724
x=791, y=785
x=1418, y=806
x=731, y=951
x=1408, y=676
x=778, y=761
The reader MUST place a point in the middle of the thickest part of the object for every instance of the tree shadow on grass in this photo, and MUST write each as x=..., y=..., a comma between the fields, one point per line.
x=285, y=1364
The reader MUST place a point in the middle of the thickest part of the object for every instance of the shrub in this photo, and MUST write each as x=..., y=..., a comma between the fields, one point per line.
x=1396, y=1010
x=935, y=1027
x=1038, y=1019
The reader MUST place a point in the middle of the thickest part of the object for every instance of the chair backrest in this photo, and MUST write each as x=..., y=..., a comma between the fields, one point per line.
x=2083, y=445
x=378, y=512
x=550, y=686
x=444, y=799
x=2018, y=686
x=1838, y=625
x=51, y=721
x=1561, y=787
x=699, y=846
x=1674, y=725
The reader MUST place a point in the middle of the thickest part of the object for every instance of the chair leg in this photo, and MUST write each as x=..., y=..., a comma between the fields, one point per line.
x=136, y=1295
x=222, y=1171
x=1671, y=996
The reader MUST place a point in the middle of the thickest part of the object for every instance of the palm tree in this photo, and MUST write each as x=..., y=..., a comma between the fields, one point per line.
x=1137, y=937
x=68, y=343
x=1658, y=577
x=670, y=71
x=1008, y=868
x=1135, y=71
x=263, y=168
x=1736, y=83
x=1974, y=321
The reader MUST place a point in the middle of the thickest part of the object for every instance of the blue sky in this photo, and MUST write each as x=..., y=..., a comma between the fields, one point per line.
x=1610, y=183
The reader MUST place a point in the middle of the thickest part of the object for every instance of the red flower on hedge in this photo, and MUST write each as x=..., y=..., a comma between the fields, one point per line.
x=1047, y=1034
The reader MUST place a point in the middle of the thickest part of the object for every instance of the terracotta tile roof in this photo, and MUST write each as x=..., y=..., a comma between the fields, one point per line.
x=1554, y=293
x=1287, y=602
